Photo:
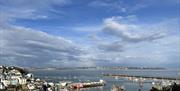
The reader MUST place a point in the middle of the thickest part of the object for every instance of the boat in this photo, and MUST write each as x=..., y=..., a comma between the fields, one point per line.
x=118, y=88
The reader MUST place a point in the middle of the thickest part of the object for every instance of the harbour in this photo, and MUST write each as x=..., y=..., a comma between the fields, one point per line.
x=90, y=80
x=89, y=45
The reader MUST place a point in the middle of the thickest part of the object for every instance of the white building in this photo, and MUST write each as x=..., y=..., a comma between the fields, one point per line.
x=5, y=82
x=2, y=87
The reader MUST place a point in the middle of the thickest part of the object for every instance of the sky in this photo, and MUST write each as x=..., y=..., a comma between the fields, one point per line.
x=85, y=33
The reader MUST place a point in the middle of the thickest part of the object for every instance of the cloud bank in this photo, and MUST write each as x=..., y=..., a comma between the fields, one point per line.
x=115, y=38
x=23, y=46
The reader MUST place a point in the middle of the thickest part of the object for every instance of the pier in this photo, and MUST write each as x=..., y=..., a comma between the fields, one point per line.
x=87, y=84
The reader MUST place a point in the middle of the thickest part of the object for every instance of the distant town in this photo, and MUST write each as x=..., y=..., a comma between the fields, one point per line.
x=116, y=67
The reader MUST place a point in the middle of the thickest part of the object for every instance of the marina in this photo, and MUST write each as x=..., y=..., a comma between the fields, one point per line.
x=134, y=77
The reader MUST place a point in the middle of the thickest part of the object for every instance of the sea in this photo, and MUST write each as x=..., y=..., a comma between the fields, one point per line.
x=85, y=75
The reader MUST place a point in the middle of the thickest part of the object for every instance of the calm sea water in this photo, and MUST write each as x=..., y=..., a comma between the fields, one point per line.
x=95, y=75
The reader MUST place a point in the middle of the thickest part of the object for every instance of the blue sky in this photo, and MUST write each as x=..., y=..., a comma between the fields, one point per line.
x=90, y=33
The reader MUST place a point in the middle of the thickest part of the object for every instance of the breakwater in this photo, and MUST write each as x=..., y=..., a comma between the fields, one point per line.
x=135, y=76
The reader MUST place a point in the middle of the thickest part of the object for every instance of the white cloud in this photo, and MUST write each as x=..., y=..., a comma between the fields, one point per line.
x=126, y=42
x=128, y=32
x=122, y=6
x=109, y=5
x=112, y=47
x=28, y=47
x=28, y=9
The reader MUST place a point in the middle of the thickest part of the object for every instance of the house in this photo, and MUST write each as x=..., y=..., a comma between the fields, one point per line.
x=15, y=78
x=22, y=81
x=1, y=69
x=14, y=74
